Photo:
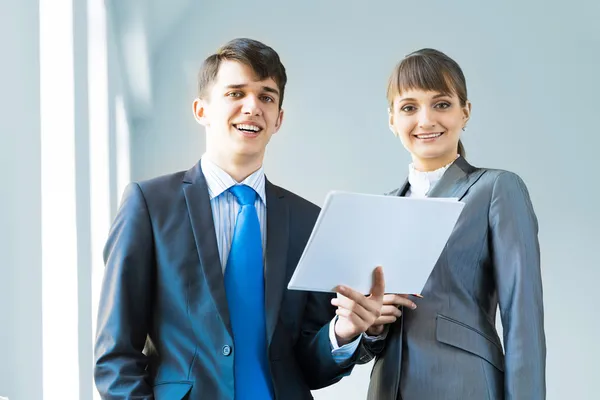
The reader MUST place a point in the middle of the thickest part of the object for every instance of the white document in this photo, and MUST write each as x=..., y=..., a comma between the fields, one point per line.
x=357, y=232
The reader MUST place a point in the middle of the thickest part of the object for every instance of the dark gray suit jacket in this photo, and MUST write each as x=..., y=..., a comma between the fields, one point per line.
x=163, y=325
x=448, y=348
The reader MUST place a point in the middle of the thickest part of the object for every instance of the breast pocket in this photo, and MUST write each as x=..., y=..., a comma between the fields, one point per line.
x=464, y=337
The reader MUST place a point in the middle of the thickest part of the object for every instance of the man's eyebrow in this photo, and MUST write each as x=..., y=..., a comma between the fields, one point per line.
x=269, y=89
x=243, y=85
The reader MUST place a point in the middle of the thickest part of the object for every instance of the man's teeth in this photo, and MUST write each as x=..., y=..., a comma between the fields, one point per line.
x=245, y=127
x=430, y=135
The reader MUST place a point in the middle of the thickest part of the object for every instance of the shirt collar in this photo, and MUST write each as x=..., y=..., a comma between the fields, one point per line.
x=421, y=182
x=219, y=181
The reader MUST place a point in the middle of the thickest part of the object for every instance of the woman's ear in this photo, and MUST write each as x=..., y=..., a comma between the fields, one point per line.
x=466, y=113
x=391, y=121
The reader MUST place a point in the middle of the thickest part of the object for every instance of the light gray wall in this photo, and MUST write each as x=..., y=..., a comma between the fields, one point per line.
x=82, y=178
x=20, y=203
x=21, y=352
x=532, y=74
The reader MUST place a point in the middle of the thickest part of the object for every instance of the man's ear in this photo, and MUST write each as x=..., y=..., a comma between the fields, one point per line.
x=279, y=121
x=199, y=108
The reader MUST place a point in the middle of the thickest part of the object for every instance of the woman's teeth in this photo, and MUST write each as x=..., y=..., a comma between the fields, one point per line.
x=430, y=135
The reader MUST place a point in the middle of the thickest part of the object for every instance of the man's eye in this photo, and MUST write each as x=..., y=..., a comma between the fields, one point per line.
x=234, y=94
x=268, y=99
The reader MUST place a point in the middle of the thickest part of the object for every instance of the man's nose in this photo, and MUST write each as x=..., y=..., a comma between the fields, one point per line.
x=251, y=106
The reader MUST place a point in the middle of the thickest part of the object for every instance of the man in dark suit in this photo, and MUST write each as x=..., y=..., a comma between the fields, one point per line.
x=194, y=301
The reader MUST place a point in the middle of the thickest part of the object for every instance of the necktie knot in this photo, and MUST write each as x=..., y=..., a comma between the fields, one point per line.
x=244, y=194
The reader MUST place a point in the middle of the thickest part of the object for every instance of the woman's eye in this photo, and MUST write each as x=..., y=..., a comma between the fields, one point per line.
x=408, y=108
x=442, y=105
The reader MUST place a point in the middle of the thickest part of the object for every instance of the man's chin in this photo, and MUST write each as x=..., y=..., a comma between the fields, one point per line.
x=250, y=152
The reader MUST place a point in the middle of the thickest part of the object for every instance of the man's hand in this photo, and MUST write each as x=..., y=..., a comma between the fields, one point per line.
x=390, y=312
x=357, y=312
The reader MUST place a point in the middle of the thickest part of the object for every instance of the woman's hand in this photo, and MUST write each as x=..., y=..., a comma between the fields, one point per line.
x=390, y=312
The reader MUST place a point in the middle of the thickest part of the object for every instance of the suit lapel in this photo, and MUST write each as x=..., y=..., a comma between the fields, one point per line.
x=198, y=204
x=276, y=257
x=401, y=191
x=455, y=182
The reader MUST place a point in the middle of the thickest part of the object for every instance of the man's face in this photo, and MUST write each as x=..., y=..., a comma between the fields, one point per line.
x=240, y=114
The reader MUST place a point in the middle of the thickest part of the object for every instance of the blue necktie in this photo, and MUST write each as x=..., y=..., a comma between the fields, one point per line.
x=245, y=290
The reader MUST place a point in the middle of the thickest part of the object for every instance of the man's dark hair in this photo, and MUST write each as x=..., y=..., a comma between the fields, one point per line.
x=263, y=60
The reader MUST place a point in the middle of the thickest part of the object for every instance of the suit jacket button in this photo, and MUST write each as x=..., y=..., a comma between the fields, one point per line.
x=226, y=350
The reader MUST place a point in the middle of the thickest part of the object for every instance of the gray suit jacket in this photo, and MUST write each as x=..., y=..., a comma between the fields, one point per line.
x=448, y=348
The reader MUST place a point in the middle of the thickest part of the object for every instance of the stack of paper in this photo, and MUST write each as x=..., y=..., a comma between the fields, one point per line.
x=357, y=232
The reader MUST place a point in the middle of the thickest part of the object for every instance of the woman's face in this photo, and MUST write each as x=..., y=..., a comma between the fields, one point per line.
x=429, y=125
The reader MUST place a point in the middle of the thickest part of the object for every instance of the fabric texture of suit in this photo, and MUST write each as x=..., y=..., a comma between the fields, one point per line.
x=448, y=348
x=164, y=329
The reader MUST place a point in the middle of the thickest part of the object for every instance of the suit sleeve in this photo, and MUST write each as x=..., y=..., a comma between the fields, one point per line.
x=516, y=260
x=125, y=303
x=313, y=349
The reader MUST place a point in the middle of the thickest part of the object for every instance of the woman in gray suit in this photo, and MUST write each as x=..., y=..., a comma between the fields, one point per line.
x=448, y=347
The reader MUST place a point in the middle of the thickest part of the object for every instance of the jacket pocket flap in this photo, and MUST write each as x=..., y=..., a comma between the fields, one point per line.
x=457, y=334
x=172, y=390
